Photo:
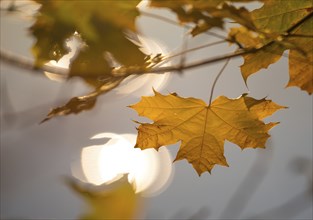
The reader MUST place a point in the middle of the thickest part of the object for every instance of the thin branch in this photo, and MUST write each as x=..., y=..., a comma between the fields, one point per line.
x=184, y=48
x=196, y=48
x=28, y=64
x=299, y=35
x=216, y=79
x=167, y=58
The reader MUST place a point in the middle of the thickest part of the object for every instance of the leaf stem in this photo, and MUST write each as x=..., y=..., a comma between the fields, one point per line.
x=216, y=79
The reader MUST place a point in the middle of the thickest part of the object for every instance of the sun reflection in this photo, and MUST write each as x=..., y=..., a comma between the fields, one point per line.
x=149, y=170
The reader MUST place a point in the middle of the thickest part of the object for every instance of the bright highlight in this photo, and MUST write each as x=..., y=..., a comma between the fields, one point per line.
x=149, y=171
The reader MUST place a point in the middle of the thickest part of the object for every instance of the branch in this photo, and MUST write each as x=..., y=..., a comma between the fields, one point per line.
x=28, y=64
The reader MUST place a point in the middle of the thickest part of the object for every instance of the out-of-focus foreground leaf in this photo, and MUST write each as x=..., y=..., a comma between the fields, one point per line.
x=201, y=128
x=101, y=25
x=114, y=201
x=105, y=27
x=85, y=102
x=205, y=15
x=281, y=25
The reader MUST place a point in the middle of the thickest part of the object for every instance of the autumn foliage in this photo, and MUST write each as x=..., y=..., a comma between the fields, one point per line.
x=111, y=52
x=262, y=36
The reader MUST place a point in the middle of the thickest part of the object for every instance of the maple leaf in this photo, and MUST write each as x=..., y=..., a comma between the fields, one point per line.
x=201, y=128
x=114, y=201
x=281, y=25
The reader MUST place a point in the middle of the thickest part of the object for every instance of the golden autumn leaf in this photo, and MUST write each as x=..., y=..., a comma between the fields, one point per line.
x=201, y=128
x=114, y=201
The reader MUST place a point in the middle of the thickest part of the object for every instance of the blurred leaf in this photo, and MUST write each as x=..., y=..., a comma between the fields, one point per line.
x=114, y=201
x=83, y=103
x=206, y=14
x=301, y=58
x=102, y=25
x=201, y=128
x=108, y=31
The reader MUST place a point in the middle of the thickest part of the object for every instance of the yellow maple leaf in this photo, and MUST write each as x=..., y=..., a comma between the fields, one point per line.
x=201, y=128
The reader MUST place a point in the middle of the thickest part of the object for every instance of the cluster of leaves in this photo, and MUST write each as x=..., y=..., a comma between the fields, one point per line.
x=102, y=26
x=108, y=31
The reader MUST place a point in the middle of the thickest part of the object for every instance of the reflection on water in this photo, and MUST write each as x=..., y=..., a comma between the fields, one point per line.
x=149, y=170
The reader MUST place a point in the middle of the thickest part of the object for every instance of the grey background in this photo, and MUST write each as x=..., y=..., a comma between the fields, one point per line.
x=270, y=184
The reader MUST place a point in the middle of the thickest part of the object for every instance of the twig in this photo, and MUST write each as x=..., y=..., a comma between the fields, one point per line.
x=195, y=48
x=184, y=48
x=28, y=64
x=296, y=25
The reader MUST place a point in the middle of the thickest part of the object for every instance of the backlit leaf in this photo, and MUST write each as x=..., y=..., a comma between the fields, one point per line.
x=203, y=129
x=206, y=14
